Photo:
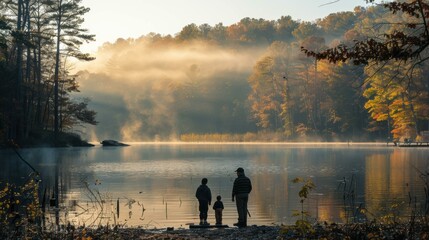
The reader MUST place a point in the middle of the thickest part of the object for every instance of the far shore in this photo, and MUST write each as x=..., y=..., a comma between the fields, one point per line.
x=290, y=143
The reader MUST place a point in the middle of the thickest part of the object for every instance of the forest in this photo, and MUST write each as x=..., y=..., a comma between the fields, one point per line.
x=299, y=80
x=36, y=40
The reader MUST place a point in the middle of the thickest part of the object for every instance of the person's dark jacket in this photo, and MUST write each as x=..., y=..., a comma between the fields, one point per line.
x=218, y=204
x=242, y=184
x=204, y=194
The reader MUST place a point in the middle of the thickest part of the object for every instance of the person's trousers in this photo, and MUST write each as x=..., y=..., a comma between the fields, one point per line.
x=218, y=215
x=241, y=202
x=204, y=208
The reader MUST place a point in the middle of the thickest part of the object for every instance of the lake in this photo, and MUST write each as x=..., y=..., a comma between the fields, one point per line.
x=153, y=184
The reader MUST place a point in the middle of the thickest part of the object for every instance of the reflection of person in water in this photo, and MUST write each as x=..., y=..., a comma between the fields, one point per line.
x=240, y=191
x=218, y=207
x=204, y=196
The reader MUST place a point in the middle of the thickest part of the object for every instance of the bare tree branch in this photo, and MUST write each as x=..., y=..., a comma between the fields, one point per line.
x=329, y=3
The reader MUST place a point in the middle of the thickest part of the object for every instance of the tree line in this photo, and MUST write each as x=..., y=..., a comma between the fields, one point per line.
x=395, y=56
x=309, y=80
x=378, y=88
x=287, y=91
x=37, y=38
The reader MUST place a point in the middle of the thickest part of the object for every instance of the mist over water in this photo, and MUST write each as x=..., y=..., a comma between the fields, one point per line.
x=146, y=91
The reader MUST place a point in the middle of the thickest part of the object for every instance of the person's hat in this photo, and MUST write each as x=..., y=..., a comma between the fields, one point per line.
x=240, y=170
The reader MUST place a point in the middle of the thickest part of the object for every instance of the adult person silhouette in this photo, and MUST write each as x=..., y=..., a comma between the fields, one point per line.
x=240, y=192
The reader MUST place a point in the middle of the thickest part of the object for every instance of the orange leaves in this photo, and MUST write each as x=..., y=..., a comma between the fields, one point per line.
x=405, y=44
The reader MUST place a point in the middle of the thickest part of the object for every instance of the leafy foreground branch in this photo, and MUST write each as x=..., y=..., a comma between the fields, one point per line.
x=20, y=213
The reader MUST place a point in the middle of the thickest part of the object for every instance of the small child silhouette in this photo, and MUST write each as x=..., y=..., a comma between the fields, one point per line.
x=218, y=207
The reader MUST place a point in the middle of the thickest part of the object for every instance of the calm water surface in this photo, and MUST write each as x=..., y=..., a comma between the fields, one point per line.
x=154, y=185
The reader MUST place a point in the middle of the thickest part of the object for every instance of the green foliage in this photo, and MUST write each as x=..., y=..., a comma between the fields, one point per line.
x=190, y=32
x=269, y=97
x=306, y=30
x=303, y=225
x=307, y=186
x=336, y=24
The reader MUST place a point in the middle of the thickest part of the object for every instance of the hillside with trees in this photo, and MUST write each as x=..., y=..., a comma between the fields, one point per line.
x=296, y=79
x=395, y=54
x=253, y=77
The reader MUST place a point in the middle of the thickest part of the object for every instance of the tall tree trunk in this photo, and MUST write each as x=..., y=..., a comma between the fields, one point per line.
x=56, y=80
x=389, y=119
x=28, y=92
x=38, y=72
x=414, y=114
x=16, y=132
x=316, y=101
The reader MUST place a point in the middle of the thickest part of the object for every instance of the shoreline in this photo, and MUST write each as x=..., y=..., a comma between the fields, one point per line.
x=230, y=233
x=268, y=143
x=414, y=229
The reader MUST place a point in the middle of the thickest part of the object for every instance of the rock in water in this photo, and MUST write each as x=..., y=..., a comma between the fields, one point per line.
x=112, y=143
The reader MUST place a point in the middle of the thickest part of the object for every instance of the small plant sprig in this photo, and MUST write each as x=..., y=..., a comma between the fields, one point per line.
x=303, y=225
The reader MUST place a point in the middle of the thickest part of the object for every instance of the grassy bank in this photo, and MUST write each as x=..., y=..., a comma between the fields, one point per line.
x=265, y=137
x=245, y=137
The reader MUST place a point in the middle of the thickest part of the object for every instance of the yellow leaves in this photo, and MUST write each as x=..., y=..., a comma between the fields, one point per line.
x=372, y=235
x=308, y=185
x=304, y=226
x=297, y=180
x=85, y=237
x=19, y=201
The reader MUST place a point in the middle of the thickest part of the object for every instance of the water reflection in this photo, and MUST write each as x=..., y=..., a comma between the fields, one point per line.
x=154, y=184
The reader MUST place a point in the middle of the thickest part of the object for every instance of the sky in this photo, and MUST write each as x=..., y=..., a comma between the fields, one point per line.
x=113, y=19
